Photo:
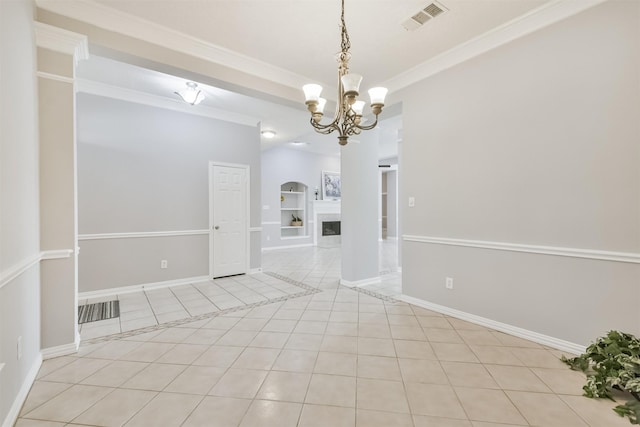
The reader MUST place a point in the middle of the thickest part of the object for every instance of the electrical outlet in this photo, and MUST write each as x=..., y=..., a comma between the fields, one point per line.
x=19, y=348
x=164, y=263
x=412, y=202
x=448, y=283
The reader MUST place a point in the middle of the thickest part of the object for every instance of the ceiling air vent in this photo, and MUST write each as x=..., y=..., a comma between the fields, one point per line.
x=418, y=19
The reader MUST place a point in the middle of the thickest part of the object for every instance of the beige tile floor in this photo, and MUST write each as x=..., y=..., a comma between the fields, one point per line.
x=334, y=357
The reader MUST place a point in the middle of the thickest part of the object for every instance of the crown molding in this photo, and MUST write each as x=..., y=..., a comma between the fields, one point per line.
x=129, y=95
x=113, y=20
x=528, y=23
x=63, y=41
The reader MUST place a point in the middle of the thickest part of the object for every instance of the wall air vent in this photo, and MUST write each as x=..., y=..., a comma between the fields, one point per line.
x=417, y=20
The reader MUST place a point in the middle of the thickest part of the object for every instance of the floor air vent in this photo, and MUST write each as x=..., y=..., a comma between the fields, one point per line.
x=425, y=14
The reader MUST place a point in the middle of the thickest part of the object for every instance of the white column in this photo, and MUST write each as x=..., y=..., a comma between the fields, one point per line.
x=359, y=210
x=58, y=53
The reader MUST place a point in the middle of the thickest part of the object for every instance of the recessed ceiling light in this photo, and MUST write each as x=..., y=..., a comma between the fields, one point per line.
x=299, y=143
x=269, y=134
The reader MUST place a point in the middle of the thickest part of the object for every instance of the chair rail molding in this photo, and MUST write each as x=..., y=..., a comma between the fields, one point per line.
x=13, y=272
x=628, y=257
x=133, y=235
x=10, y=274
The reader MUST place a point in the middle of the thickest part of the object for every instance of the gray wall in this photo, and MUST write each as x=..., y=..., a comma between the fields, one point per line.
x=145, y=169
x=533, y=143
x=280, y=165
x=19, y=219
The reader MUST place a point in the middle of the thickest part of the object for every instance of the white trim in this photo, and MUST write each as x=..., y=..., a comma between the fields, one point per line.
x=535, y=20
x=130, y=95
x=498, y=326
x=255, y=229
x=255, y=270
x=55, y=77
x=134, y=235
x=271, y=223
x=61, y=350
x=13, y=272
x=273, y=248
x=247, y=169
x=142, y=287
x=21, y=397
x=57, y=254
x=360, y=283
x=64, y=41
x=141, y=29
x=629, y=257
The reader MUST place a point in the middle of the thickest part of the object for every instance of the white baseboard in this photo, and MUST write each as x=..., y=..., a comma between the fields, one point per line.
x=273, y=248
x=14, y=411
x=143, y=287
x=359, y=283
x=255, y=270
x=556, y=343
x=61, y=350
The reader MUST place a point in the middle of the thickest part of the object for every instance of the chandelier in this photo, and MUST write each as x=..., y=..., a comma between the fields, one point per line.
x=348, y=117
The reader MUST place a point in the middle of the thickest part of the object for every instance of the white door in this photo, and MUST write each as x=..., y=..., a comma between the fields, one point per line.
x=229, y=215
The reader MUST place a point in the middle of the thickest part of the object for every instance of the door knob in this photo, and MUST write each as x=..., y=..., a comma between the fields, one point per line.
x=216, y=227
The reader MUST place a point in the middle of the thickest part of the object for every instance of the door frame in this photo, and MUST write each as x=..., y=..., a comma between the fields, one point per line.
x=247, y=169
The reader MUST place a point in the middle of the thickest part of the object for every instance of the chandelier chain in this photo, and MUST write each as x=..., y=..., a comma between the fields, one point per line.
x=346, y=43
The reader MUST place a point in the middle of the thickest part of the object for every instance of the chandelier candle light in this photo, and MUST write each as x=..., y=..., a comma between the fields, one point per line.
x=348, y=118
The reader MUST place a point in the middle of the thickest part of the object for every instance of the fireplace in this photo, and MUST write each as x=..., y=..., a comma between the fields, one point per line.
x=330, y=228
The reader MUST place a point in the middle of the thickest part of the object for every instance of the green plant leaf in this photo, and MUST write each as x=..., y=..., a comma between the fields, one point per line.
x=612, y=362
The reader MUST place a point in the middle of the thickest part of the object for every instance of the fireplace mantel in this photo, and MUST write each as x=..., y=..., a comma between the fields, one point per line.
x=323, y=207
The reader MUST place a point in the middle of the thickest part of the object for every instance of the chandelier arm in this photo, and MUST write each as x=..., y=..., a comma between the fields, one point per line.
x=324, y=129
x=368, y=127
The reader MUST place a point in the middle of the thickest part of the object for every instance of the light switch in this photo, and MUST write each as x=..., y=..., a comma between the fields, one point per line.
x=412, y=202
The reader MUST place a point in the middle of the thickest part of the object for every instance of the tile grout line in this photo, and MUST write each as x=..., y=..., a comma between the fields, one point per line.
x=309, y=291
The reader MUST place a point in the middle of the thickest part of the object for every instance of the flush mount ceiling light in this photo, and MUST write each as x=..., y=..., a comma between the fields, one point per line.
x=191, y=95
x=269, y=134
x=348, y=118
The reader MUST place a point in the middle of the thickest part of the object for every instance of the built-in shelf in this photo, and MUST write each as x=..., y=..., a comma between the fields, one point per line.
x=293, y=202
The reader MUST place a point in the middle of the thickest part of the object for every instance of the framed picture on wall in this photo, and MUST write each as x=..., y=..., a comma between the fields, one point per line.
x=331, y=186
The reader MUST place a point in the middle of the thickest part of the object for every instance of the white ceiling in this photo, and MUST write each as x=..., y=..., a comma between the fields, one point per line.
x=301, y=37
